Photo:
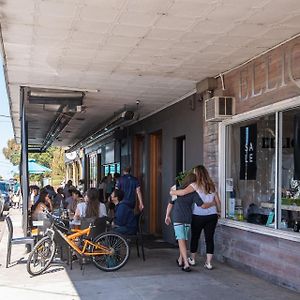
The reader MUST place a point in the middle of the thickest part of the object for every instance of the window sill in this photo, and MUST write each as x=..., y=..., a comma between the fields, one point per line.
x=281, y=234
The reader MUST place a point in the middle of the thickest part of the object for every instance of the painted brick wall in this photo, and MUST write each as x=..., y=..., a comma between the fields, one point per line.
x=271, y=258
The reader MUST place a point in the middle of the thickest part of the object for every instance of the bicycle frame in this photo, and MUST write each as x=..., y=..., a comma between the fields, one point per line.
x=71, y=240
x=114, y=248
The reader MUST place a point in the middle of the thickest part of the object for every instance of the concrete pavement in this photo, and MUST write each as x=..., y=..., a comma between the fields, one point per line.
x=156, y=278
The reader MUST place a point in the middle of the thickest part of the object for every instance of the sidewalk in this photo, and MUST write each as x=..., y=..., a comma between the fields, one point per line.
x=156, y=278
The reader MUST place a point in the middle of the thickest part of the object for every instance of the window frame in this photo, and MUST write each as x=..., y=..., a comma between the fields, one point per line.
x=277, y=109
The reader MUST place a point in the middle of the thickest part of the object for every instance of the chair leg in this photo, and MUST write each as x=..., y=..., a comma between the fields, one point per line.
x=8, y=255
x=137, y=246
x=142, y=246
x=70, y=258
x=61, y=254
x=68, y=255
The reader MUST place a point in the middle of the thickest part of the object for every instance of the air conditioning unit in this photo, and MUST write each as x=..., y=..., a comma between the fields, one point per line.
x=219, y=108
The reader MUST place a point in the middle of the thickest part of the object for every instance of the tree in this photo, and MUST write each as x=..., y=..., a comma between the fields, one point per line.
x=53, y=158
x=57, y=166
x=12, y=152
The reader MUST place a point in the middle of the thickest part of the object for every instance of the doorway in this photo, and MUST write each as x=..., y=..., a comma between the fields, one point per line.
x=155, y=183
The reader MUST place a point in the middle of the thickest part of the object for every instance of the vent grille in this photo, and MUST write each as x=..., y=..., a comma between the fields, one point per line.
x=219, y=108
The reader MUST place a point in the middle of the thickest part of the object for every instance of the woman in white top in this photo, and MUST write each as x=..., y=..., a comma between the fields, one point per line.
x=91, y=207
x=203, y=218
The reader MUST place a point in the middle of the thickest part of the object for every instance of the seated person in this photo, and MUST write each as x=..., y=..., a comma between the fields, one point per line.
x=69, y=199
x=44, y=203
x=34, y=195
x=125, y=221
x=73, y=201
x=59, y=199
x=91, y=208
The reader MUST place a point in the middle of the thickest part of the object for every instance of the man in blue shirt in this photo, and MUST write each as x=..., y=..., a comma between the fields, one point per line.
x=125, y=221
x=130, y=187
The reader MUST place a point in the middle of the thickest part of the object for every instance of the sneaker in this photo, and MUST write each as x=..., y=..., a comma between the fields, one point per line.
x=208, y=266
x=191, y=261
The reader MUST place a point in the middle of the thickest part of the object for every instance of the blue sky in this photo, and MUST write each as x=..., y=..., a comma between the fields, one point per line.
x=6, y=169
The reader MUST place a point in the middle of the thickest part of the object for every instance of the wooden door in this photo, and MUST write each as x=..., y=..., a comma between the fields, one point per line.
x=155, y=183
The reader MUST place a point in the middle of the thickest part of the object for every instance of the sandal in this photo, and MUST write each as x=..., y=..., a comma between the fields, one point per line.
x=187, y=269
x=178, y=264
x=208, y=266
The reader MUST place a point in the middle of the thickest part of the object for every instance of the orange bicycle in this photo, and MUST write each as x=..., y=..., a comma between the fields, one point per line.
x=109, y=251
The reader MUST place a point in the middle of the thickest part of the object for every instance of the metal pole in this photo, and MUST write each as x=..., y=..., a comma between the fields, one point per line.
x=24, y=163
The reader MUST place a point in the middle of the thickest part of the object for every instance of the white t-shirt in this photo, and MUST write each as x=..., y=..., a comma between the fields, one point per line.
x=81, y=208
x=199, y=211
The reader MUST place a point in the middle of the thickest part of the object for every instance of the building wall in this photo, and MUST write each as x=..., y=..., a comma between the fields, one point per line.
x=263, y=81
x=272, y=258
x=175, y=121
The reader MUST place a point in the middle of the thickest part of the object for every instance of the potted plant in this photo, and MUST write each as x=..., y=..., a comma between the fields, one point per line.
x=180, y=178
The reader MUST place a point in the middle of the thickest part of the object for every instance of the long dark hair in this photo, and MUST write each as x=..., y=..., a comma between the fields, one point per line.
x=204, y=181
x=42, y=197
x=93, y=205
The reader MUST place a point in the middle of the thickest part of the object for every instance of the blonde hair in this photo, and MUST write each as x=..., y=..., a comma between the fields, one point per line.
x=203, y=179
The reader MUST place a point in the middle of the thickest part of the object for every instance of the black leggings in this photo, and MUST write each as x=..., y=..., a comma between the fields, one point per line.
x=208, y=223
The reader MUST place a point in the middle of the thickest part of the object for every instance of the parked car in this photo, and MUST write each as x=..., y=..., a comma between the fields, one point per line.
x=4, y=190
x=1, y=205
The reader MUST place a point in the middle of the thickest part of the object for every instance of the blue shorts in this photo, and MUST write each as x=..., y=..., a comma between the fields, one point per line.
x=182, y=231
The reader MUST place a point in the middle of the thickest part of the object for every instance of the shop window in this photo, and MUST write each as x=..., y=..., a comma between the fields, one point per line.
x=289, y=181
x=93, y=170
x=263, y=170
x=249, y=170
x=112, y=168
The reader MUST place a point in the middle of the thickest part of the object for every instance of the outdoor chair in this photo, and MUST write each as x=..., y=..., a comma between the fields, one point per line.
x=99, y=226
x=138, y=237
x=14, y=241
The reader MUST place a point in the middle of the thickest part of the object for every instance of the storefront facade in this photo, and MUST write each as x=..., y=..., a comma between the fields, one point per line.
x=160, y=147
x=157, y=148
x=254, y=156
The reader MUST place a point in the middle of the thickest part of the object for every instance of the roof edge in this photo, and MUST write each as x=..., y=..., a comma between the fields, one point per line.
x=4, y=65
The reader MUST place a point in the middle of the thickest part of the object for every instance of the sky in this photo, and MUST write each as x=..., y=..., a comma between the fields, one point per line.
x=6, y=169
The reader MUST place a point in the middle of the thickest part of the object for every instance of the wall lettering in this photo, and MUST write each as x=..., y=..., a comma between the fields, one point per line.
x=253, y=84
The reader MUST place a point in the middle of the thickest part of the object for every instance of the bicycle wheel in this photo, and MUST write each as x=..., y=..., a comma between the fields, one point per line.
x=119, y=249
x=41, y=256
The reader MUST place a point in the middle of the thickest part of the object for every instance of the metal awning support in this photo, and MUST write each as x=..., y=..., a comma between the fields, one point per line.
x=24, y=163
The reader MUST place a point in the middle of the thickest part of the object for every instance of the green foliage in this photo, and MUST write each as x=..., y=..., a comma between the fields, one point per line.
x=53, y=158
x=181, y=176
x=12, y=152
x=57, y=166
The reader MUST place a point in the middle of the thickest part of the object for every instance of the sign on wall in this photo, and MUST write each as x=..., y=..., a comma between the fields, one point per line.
x=248, y=141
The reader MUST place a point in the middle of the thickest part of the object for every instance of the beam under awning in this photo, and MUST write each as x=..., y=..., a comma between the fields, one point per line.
x=48, y=112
